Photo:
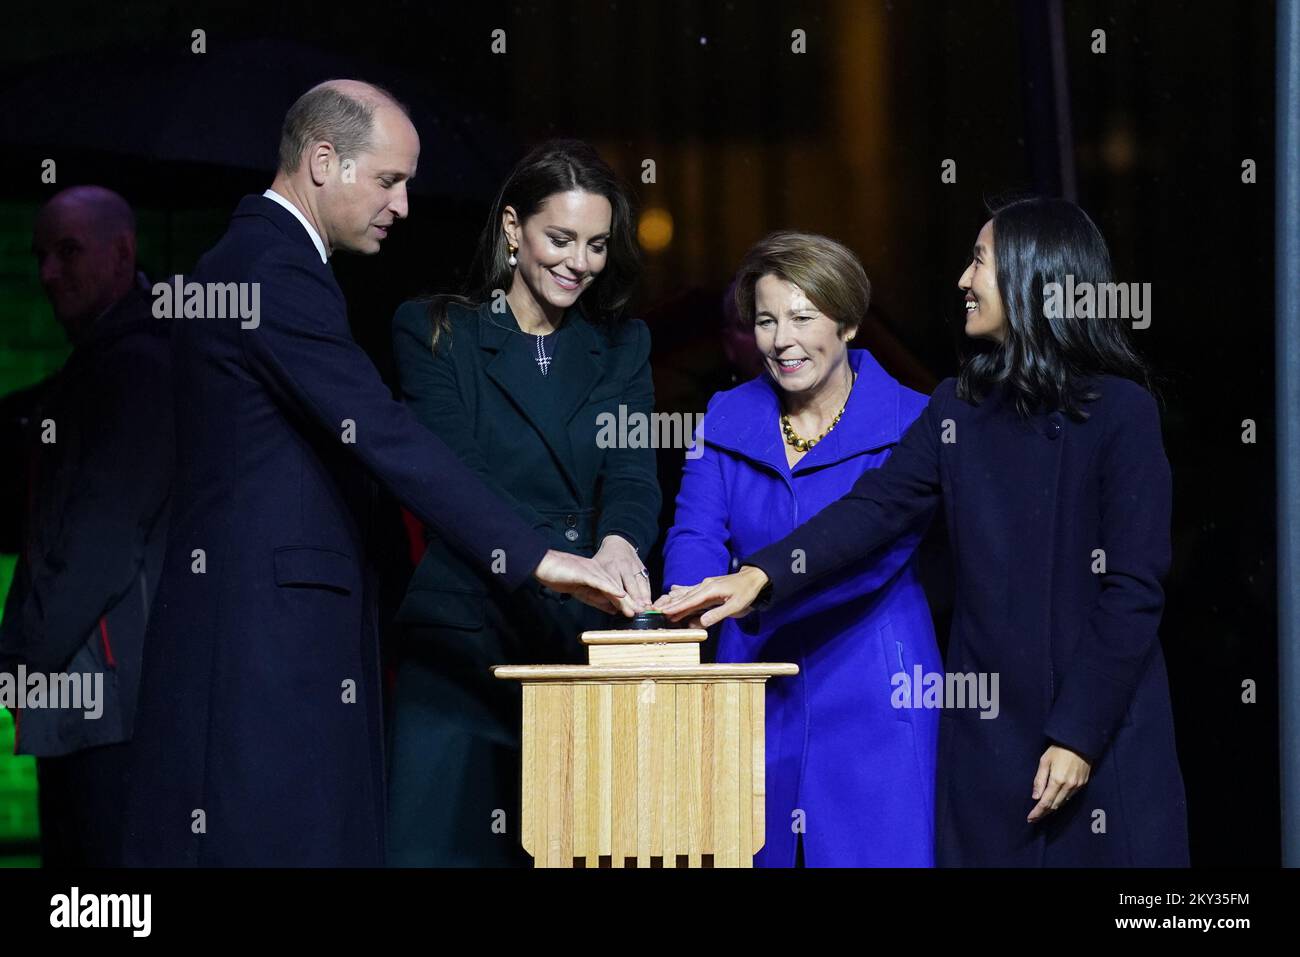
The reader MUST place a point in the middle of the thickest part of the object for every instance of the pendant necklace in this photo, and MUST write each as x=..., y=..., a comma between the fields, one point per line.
x=543, y=360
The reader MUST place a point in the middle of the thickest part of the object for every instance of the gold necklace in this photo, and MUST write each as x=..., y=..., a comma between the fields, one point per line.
x=801, y=444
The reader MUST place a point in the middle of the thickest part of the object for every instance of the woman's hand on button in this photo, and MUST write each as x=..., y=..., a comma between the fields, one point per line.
x=623, y=564
x=675, y=592
x=726, y=596
x=586, y=580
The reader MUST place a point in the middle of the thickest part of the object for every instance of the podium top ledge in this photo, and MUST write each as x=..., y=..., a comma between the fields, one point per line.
x=751, y=671
x=649, y=636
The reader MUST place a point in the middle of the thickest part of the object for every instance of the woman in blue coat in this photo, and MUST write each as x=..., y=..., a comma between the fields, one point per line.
x=1046, y=455
x=848, y=775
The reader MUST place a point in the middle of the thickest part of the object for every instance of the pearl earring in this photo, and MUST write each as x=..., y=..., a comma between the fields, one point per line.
x=512, y=260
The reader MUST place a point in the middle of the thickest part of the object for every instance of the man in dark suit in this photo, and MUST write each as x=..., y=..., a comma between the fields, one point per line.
x=259, y=727
x=97, y=466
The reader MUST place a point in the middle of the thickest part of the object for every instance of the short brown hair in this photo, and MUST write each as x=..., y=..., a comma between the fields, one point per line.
x=828, y=273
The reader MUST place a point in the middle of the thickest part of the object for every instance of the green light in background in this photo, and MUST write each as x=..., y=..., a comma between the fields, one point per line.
x=18, y=819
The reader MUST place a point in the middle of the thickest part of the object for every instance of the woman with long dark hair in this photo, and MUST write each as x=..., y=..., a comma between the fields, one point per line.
x=1056, y=738
x=516, y=376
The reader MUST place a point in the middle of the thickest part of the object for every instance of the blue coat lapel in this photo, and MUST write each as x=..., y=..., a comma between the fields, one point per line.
x=745, y=420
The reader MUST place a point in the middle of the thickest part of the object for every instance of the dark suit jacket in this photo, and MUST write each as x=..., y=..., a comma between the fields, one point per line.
x=1059, y=532
x=258, y=738
x=533, y=440
x=96, y=527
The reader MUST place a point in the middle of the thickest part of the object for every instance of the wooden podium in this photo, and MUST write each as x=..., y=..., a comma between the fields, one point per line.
x=644, y=757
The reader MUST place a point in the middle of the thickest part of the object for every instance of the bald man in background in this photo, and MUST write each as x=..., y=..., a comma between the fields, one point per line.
x=84, y=237
x=97, y=463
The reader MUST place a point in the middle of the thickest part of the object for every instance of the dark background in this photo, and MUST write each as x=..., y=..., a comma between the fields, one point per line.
x=846, y=139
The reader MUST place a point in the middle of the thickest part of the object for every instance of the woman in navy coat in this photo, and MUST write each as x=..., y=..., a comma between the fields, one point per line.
x=1046, y=455
x=848, y=775
x=516, y=379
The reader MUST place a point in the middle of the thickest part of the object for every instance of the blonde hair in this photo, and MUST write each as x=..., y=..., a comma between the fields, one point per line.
x=828, y=272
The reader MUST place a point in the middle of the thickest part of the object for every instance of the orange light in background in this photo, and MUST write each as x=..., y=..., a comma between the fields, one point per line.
x=1119, y=148
x=655, y=229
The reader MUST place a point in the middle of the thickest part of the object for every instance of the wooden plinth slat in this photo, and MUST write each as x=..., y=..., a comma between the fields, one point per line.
x=666, y=755
x=558, y=708
x=758, y=712
x=726, y=728
x=689, y=757
x=625, y=771
x=582, y=768
x=528, y=797
x=744, y=775
x=605, y=786
x=645, y=779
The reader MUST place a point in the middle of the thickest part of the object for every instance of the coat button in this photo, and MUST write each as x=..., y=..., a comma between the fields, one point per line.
x=1053, y=430
x=571, y=521
x=571, y=534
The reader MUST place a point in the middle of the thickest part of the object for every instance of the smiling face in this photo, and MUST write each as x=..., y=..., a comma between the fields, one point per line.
x=356, y=215
x=803, y=349
x=561, y=248
x=985, y=316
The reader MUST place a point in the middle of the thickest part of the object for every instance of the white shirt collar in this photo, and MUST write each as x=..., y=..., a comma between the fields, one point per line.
x=315, y=236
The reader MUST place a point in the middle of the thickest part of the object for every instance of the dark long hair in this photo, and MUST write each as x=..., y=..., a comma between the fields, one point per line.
x=1045, y=361
x=555, y=166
